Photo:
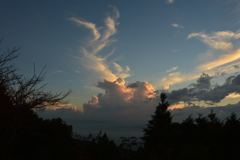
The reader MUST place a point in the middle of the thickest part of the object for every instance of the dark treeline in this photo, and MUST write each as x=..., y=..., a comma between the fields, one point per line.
x=204, y=137
x=24, y=135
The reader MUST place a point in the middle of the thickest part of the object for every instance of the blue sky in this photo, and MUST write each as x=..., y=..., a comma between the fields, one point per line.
x=150, y=45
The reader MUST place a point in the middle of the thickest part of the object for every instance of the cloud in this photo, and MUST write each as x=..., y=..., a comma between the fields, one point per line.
x=118, y=127
x=177, y=25
x=236, y=66
x=222, y=112
x=166, y=87
x=204, y=90
x=125, y=107
x=222, y=60
x=89, y=25
x=102, y=37
x=223, y=41
x=121, y=100
x=170, y=1
x=59, y=105
x=224, y=53
x=217, y=40
x=233, y=95
x=172, y=78
x=67, y=114
x=172, y=69
x=54, y=72
x=123, y=73
x=214, y=60
x=180, y=104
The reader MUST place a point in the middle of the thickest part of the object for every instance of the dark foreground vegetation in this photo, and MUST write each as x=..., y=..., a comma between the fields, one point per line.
x=25, y=136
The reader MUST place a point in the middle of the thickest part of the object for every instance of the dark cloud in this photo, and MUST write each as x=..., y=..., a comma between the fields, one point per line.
x=236, y=66
x=222, y=111
x=204, y=82
x=132, y=85
x=203, y=90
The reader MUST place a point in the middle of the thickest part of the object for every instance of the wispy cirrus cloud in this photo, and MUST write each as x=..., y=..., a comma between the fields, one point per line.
x=224, y=59
x=172, y=69
x=89, y=25
x=102, y=37
x=219, y=41
x=177, y=25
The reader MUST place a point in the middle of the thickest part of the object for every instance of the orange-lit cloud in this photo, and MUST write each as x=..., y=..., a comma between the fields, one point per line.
x=180, y=104
x=172, y=78
x=166, y=87
x=59, y=105
x=221, y=57
x=217, y=40
x=102, y=37
x=233, y=95
x=122, y=98
x=224, y=59
x=89, y=25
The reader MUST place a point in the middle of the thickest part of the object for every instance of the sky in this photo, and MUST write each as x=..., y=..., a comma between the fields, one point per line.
x=118, y=56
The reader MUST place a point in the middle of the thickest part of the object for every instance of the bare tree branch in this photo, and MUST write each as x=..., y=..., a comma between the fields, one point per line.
x=26, y=92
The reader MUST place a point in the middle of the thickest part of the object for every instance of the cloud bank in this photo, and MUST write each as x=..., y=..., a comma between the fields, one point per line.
x=124, y=108
x=137, y=101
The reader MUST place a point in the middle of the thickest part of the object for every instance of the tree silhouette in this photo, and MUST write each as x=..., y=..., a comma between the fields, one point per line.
x=22, y=91
x=159, y=134
x=22, y=133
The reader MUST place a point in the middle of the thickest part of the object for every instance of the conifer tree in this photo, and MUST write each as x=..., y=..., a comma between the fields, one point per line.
x=159, y=131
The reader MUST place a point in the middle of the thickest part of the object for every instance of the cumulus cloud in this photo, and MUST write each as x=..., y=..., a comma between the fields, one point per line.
x=138, y=99
x=123, y=106
x=122, y=100
x=177, y=25
x=102, y=37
